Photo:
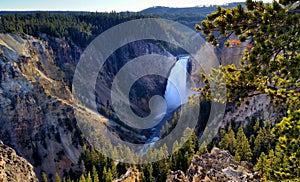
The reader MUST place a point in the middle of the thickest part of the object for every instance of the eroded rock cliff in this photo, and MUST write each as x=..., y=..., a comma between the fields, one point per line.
x=13, y=167
x=36, y=102
x=36, y=111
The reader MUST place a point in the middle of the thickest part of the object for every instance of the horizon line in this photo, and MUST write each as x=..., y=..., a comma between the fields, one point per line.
x=108, y=11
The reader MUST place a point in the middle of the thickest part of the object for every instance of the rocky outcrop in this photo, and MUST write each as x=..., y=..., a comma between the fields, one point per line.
x=177, y=176
x=13, y=167
x=36, y=113
x=259, y=107
x=218, y=165
x=130, y=176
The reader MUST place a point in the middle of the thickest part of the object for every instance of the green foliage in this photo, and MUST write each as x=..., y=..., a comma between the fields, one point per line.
x=101, y=168
x=181, y=158
x=242, y=148
x=287, y=147
x=263, y=141
x=264, y=165
x=148, y=173
x=88, y=178
x=44, y=177
x=287, y=2
x=271, y=59
x=82, y=178
x=261, y=163
x=57, y=178
x=107, y=175
x=270, y=65
x=161, y=169
x=228, y=141
x=95, y=175
x=74, y=27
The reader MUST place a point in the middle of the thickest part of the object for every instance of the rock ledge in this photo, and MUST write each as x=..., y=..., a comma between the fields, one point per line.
x=14, y=167
x=218, y=165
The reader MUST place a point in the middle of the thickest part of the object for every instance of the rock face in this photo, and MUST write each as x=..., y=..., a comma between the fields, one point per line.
x=177, y=176
x=259, y=107
x=130, y=176
x=36, y=102
x=13, y=167
x=215, y=166
x=36, y=113
x=144, y=88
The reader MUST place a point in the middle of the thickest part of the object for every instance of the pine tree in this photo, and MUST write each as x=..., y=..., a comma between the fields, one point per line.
x=264, y=165
x=89, y=178
x=69, y=179
x=263, y=141
x=202, y=149
x=142, y=177
x=148, y=173
x=228, y=140
x=44, y=177
x=104, y=174
x=107, y=175
x=271, y=161
x=242, y=149
x=161, y=169
x=82, y=178
x=287, y=147
x=114, y=171
x=270, y=65
x=95, y=175
x=261, y=164
x=256, y=127
x=56, y=178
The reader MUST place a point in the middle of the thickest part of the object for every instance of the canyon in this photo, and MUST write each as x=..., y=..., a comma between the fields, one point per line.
x=36, y=101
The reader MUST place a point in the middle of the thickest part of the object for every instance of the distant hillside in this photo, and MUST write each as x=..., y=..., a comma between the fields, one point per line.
x=50, y=12
x=187, y=16
x=159, y=10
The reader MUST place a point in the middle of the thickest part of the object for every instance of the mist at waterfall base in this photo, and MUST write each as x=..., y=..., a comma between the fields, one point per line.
x=176, y=94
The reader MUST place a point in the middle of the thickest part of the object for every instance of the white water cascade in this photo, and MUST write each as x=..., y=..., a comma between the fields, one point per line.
x=176, y=93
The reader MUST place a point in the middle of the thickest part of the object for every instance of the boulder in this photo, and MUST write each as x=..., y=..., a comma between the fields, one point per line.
x=218, y=165
x=13, y=167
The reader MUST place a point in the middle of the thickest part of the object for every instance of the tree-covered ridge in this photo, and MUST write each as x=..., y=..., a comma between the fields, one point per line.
x=270, y=65
x=187, y=16
x=198, y=10
x=80, y=29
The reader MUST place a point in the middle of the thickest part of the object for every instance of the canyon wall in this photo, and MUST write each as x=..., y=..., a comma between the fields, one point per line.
x=36, y=102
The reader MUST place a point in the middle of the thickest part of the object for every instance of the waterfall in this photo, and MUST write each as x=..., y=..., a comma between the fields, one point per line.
x=177, y=92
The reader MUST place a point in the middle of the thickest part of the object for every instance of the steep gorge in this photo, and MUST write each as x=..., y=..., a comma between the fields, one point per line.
x=36, y=102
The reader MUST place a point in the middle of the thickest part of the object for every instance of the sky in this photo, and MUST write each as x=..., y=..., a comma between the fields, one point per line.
x=103, y=5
